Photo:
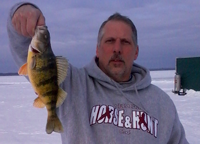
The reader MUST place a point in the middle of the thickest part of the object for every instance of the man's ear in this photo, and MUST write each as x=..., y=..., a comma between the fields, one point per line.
x=136, y=52
x=97, y=51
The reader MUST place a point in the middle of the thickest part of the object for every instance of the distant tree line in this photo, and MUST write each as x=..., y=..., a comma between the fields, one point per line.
x=8, y=74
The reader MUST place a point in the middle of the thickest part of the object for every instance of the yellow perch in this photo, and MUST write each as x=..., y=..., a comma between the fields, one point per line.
x=46, y=72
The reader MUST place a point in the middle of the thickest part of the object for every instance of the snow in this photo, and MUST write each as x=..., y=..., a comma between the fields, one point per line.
x=188, y=106
x=22, y=123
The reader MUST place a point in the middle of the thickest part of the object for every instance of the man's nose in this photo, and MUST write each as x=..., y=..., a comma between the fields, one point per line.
x=117, y=48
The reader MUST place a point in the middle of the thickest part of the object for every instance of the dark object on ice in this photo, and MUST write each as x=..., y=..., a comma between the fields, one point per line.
x=187, y=75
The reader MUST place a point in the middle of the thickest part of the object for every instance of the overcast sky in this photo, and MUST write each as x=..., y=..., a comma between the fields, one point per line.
x=166, y=29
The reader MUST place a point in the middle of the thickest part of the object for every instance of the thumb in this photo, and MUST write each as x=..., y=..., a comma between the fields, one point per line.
x=41, y=20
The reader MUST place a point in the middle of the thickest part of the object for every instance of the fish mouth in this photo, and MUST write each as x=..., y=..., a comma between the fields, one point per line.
x=34, y=50
x=42, y=27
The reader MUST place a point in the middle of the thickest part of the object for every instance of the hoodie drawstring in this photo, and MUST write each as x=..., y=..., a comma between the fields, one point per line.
x=137, y=94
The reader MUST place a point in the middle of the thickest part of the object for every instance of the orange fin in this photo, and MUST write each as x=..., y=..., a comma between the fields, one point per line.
x=38, y=103
x=53, y=124
x=23, y=70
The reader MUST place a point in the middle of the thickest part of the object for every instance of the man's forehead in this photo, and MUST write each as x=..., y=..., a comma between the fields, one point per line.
x=117, y=31
x=117, y=26
x=111, y=23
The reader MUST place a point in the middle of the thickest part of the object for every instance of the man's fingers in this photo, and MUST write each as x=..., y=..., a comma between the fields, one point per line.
x=17, y=26
x=41, y=20
x=34, y=20
x=26, y=18
x=24, y=28
x=31, y=24
x=16, y=23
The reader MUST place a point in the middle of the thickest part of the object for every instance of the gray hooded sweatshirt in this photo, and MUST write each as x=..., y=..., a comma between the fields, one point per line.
x=99, y=110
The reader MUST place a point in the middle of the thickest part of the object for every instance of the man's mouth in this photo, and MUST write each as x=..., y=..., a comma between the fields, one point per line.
x=116, y=60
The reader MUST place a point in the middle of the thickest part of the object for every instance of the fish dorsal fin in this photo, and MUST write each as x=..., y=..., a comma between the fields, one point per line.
x=38, y=103
x=62, y=66
x=23, y=70
x=61, y=97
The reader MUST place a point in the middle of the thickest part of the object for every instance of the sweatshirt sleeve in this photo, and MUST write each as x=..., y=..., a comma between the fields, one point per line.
x=178, y=132
x=18, y=44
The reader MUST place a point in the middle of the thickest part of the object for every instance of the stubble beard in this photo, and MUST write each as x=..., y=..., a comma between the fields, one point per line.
x=116, y=70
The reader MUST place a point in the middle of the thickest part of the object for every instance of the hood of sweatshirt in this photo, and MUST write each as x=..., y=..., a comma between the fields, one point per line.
x=140, y=80
x=140, y=77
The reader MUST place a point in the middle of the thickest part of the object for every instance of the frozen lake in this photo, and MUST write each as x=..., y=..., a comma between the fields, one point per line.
x=22, y=123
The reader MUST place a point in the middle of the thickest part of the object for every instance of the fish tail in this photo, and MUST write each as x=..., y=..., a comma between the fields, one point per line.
x=53, y=124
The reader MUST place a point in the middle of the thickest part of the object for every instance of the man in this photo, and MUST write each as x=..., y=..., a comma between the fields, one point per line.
x=111, y=100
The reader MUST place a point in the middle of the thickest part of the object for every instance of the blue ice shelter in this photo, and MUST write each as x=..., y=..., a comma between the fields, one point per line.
x=187, y=75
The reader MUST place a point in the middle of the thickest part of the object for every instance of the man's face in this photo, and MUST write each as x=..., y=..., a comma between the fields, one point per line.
x=117, y=51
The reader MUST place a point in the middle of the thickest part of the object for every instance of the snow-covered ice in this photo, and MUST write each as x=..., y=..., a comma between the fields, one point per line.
x=188, y=106
x=22, y=123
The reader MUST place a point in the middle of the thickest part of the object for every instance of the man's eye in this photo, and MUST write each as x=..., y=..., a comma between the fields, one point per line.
x=109, y=40
x=125, y=42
